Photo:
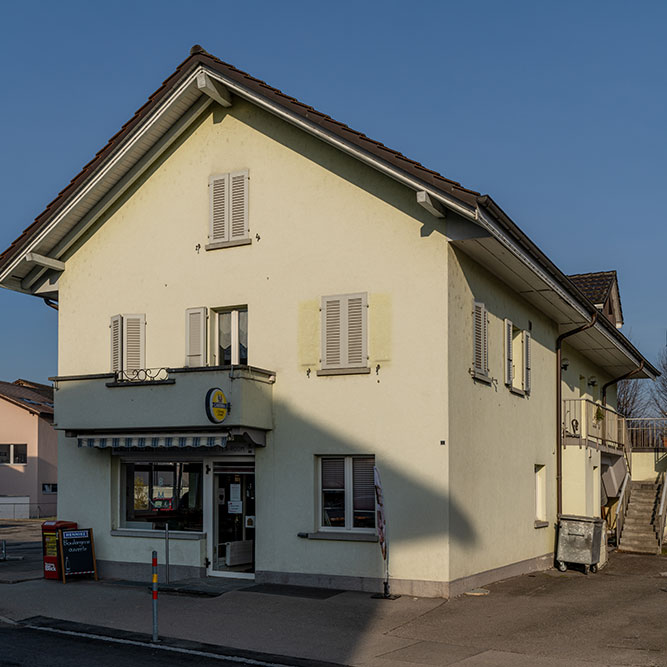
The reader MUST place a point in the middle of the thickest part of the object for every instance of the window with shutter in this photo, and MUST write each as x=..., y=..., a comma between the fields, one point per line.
x=228, y=210
x=345, y=333
x=480, y=339
x=116, y=328
x=128, y=343
x=219, y=187
x=134, y=342
x=347, y=493
x=195, y=337
x=526, y=361
x=509, y=362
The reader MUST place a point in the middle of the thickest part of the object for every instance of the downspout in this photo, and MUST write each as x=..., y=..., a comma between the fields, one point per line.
x=639, y=369
x=559, y=411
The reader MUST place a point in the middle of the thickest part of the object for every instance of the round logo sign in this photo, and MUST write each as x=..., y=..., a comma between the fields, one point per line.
x=217, y=406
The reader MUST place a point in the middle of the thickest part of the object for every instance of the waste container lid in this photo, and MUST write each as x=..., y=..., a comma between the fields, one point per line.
x=574, y=517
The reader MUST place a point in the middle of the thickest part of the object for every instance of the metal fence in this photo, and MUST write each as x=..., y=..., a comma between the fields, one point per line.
x=28, y=510
x=648, y=433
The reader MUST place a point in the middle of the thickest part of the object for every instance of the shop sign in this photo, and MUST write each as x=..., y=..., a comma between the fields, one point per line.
x=217, y=406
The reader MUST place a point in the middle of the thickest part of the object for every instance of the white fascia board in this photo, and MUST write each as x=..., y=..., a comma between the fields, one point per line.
x=129, y=143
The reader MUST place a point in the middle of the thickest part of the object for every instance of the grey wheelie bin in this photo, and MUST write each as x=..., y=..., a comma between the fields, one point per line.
x=579, y=542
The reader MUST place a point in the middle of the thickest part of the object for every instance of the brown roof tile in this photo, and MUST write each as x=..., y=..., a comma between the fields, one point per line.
x=595, y=286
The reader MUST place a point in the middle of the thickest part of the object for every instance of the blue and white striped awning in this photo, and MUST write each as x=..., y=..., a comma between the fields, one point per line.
x=155, y=441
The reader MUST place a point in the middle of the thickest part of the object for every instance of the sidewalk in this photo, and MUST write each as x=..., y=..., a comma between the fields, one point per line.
x=548, y=619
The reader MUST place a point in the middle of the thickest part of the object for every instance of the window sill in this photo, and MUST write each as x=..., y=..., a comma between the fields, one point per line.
x=481, y=377
x=227, y=244
x=517, y=392
x=343, y=536
x=541, y=524
x=173, y=534
x=344, y=371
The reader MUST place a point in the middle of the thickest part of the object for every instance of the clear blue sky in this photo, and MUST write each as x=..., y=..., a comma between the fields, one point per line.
x=558, y=110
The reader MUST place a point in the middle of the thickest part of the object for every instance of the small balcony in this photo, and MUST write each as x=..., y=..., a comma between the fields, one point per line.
x=163, y=399
x=588, y=423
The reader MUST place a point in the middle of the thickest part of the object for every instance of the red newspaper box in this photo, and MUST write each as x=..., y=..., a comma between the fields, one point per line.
x=50, y=546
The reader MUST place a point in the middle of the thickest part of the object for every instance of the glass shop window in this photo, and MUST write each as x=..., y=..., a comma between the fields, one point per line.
x=164, y=493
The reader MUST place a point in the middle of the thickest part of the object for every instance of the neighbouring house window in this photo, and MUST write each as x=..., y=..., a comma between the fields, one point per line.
x=14, y=454
x=233, y=337
x=159, y=493
x=228, y=212
x=480, y=341
x=347, y=493
x=128, y=344
x=517, y=345
x=49, y=488
x=540, y=493
x=345, y=333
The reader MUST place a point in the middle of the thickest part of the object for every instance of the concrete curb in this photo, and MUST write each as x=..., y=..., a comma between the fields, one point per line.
x=184, y=646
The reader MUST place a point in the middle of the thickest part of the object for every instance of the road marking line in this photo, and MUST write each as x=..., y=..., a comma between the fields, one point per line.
x=174, y=649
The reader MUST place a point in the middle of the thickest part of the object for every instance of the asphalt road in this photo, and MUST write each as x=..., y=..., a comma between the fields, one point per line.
x=25, y=647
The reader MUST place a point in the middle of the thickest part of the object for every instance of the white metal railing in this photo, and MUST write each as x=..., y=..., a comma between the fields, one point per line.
x=587, y=420
x=660, y=519
x=648, y=433
x=622, y=507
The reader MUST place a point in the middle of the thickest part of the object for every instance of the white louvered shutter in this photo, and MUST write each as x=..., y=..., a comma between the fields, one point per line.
x=480, y=339
x=509, y=361
x=526, y=361
x=134, y=342
x=238, y=210
x=219, y=208
x=116, y=328
x=357, y=309
x=331, y=332
x=195, y=336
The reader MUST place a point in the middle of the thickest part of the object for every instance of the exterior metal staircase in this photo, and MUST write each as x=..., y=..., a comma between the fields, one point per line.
x=642, y=521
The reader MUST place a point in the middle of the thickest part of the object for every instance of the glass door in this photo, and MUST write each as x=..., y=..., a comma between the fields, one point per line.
x=234, y=519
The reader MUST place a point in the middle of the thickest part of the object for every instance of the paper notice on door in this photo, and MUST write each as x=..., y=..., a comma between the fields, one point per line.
x=235, y=492
x=235, y=507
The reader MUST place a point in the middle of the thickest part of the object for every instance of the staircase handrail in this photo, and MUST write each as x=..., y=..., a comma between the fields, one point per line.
x=662, y=513
x=621, y=508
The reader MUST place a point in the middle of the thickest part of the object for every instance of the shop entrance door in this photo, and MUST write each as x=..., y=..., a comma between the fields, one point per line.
x=234, y=518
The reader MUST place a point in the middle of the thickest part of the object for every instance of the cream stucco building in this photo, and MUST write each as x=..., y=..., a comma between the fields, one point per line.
x=259, y=306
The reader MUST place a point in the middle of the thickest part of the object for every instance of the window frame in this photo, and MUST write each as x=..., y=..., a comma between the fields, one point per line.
x=516, y=345
x=229, y=240
x=480, y=371
x=234, y=310
x=540, y=473
x=127, y=514
x=344, y=367
x=12, y=456
x=349, y=497
x=123, y=318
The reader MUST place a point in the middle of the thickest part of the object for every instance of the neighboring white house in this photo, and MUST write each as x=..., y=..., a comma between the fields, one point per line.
x=257, y=305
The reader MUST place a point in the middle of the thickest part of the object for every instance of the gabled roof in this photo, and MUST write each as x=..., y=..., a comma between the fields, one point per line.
x=40, y=251
x=602, y=289
x=36, y=401
x=596, y=286
x=198, y=56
